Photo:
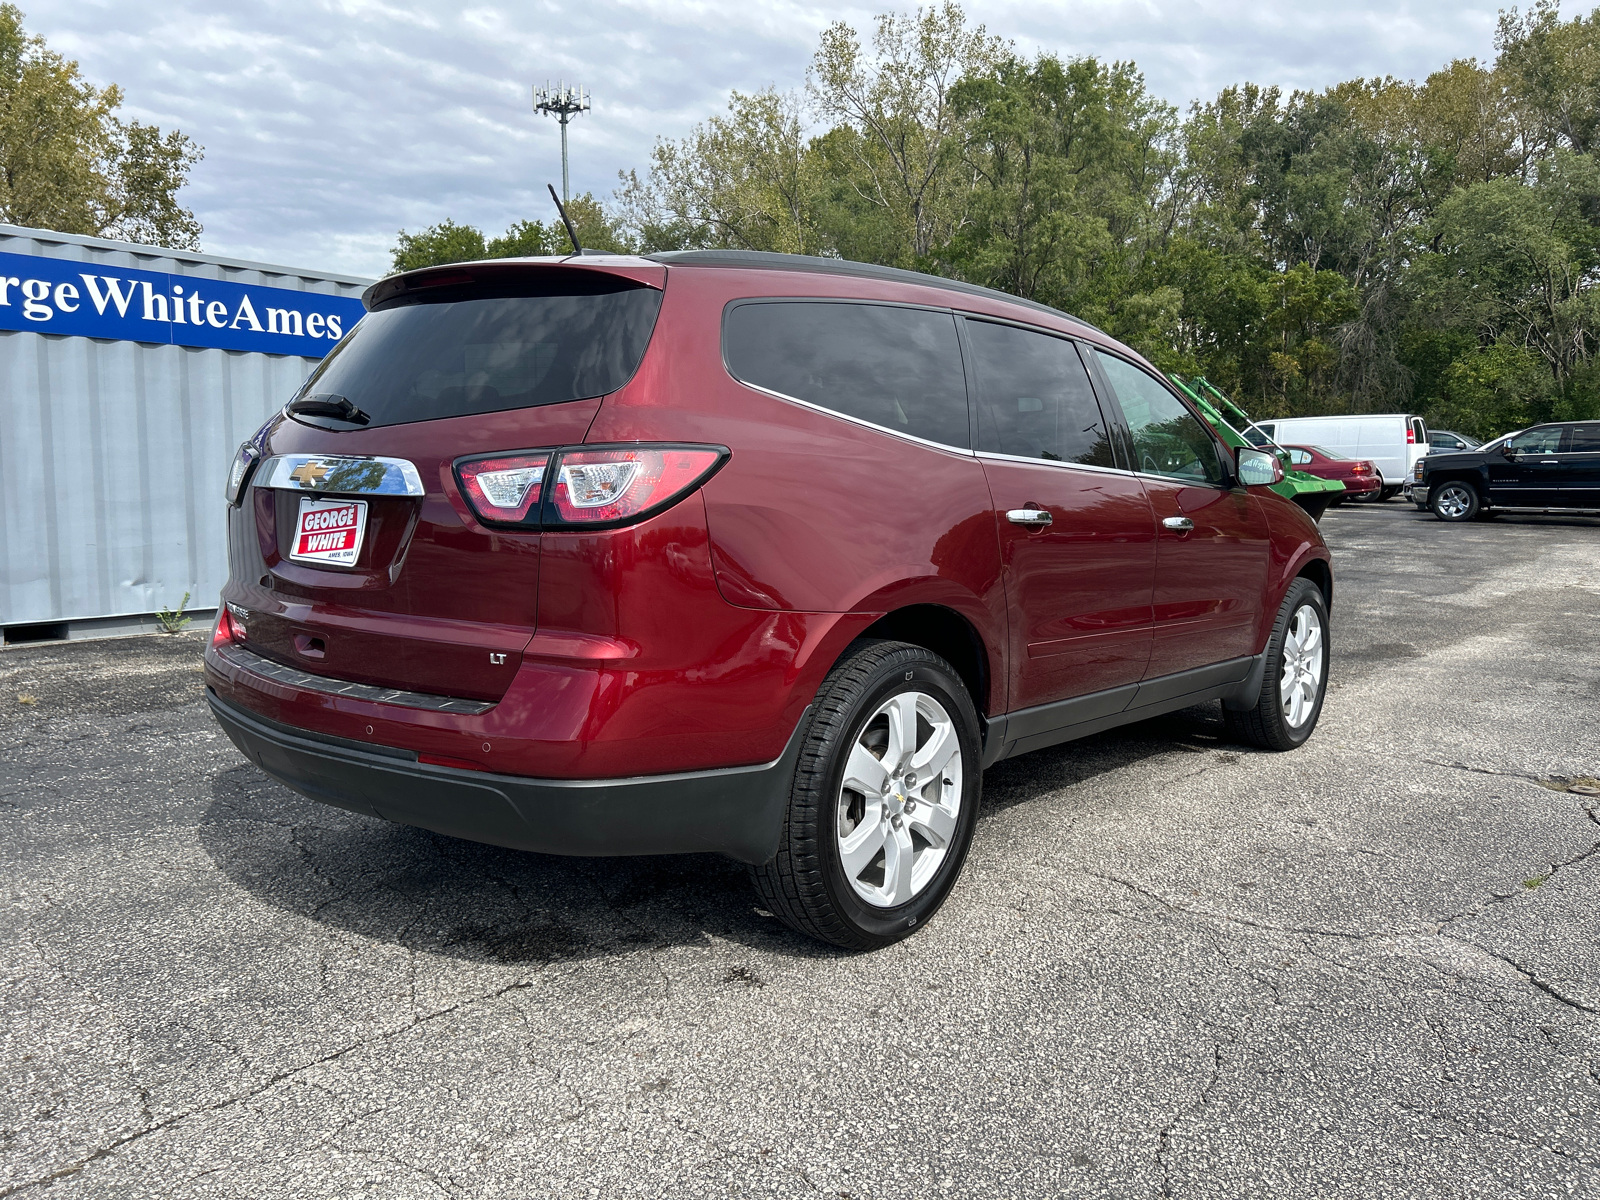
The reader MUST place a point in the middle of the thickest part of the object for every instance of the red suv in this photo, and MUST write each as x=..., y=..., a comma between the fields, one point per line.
x=748, y=553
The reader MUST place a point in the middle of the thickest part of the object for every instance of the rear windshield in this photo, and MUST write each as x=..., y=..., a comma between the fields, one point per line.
x=455, y=353
x=1326, y=453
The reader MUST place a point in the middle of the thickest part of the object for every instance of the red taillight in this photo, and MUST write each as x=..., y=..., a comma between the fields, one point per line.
x=591, y=486
x=1360, y=468
x=1411, y=434
x=504, y=489
x=596, y=487
x=222, y=633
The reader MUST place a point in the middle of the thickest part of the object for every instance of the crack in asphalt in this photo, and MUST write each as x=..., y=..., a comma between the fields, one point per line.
x=1531, y=977
x=1164, y=1136
x=274, y=1081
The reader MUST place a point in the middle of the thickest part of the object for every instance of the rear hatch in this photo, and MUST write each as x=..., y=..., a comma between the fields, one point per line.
x=374, y=568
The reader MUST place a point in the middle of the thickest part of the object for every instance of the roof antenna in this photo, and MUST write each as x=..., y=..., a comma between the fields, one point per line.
x=571, y=232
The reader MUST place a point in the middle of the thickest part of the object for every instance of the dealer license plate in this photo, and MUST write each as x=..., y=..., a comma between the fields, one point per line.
x=329, y=531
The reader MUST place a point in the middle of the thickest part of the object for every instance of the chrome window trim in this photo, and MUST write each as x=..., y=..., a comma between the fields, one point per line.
x=400, y=477
x=833, y=412
x=1050, y=462
x=1187, y=482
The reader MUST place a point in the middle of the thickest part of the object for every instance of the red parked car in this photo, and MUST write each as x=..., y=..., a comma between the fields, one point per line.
x=1359, y=476
x=747, y=553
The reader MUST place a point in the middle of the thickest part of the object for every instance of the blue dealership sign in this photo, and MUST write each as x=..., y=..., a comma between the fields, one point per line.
x=85, y=299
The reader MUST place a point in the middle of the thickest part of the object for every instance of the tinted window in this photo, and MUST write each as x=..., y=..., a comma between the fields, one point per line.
x=1168, y=439
x=1034, y=397
x=896, y=367
x=1538, y=441
x=461, y=354
x=1585, y=439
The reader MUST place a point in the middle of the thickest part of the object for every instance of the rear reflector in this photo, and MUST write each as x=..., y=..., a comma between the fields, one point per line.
x=445, y=760
x=504, y=489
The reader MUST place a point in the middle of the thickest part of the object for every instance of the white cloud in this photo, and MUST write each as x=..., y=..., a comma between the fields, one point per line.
x=329, y=126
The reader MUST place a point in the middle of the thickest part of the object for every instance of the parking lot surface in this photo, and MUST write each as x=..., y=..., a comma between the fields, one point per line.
x=1173, y=967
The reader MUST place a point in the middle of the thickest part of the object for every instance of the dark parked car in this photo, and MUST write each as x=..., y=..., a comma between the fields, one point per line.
x=1547, y=466
x=1443, y=441
x=755, y=554
x=1360, y=478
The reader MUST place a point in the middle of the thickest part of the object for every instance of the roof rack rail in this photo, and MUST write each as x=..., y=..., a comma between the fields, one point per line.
x=771, y=261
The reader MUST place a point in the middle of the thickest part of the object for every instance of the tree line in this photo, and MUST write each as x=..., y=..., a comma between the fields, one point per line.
x=1378, y=245
x=69, y=163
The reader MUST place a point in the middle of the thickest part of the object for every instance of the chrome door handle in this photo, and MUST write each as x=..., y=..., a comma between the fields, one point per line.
x=1182, y=524
x=1036, y=517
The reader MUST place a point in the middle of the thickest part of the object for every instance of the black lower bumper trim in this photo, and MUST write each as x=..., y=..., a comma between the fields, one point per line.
x=737, y=811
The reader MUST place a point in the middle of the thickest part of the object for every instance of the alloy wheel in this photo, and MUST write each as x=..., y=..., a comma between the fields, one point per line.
x=900, y=798
x=1454, y=500
x=1302, y=666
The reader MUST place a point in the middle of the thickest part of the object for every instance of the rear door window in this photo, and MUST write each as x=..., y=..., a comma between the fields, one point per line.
x=1168, y=439
x=896, y=367
x=566, y=335
x=1034, y=397
x=1585, y=439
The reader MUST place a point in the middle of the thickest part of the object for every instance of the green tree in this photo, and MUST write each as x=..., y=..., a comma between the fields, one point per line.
x=747, y=181
x=1070, y=163
x=897, y=152
x=68, y=163
x=527, y=239
x=1519, y=267
x=438, y=244
x=1553, y=68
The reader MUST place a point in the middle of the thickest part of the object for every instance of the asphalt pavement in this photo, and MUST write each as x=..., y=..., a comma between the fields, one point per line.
x=1173, y=967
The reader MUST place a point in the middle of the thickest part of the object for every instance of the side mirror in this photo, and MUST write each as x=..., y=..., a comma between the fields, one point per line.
x=1507, y=450
x=1258, y=468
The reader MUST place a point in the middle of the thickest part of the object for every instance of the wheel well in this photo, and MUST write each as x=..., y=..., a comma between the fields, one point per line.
x=947, y=634
x=1457, y=477
x=1317, y=571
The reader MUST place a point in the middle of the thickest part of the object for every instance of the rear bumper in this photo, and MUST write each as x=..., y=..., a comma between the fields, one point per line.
x=736, y=811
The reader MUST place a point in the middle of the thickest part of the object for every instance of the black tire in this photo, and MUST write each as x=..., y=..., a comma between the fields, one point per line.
x=805, y=884
x=1265, y=724
x=1455, y=500
x=1386, y=494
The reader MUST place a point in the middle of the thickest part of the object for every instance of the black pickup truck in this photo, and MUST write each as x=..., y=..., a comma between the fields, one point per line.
x=1547, y=466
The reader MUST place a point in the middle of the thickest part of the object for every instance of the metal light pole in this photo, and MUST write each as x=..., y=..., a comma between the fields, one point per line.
x=563, y=103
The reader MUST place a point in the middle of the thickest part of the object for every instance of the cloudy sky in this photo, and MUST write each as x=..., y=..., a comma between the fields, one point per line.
x=329, y=125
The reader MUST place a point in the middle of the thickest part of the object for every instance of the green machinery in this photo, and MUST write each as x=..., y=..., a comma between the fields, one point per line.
x=1310, y=492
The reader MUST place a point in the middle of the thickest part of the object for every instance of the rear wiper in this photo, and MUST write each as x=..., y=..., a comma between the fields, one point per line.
x=329, y=405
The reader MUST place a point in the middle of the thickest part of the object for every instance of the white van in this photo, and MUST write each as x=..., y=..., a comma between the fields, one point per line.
x=1393, y=442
